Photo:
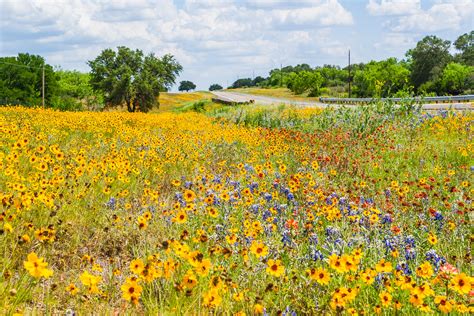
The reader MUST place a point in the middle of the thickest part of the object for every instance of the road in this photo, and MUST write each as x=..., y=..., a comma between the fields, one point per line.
x=259, y=99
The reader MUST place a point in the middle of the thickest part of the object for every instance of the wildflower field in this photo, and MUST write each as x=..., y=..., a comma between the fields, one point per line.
x=236, y=211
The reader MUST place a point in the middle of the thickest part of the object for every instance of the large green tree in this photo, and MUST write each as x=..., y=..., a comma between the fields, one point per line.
x=456, y=79
x=21, y=80
x=128, y=77
x=186, y=85
x=428, y=59
x=465, y=45
x=381, y=78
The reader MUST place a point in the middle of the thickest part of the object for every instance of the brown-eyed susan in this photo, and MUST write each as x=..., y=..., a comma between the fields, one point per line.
x=444, y=305
x=385, y=298
x=137, y=266
x=461, y=283
x=131, y=290
x=91, y=282
x=181, y=217
x=189, y=195
x=425, y=270
x=72, y=289
x=259, y=249
x=203, y=267
x=275, y=268
x=212, y=298
x=320, y=275
x=383, y=266
x=37, y=267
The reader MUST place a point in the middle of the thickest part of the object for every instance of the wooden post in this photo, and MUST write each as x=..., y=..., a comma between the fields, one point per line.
x=42, y=86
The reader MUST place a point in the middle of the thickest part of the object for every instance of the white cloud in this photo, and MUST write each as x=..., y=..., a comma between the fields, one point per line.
x=409, y=16
x=393, y=7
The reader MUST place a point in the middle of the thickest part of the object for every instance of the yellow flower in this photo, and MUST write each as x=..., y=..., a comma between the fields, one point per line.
x=212, y=298
x=203, y=267
x=385, y=298
x=383, y=266
x=189, y=280
x=259, y=249
x=444, y=305
x=432, y=239
x=181, y=217
x=189, y=195
x=319, y=275
x=7, y=227
x=258, y=309
x=425, y=270
x=72, y=289
x=275, y=268
x=37, y=266
x=131, y=290
x=461, y=283
x=137, y=266
x=91, y=281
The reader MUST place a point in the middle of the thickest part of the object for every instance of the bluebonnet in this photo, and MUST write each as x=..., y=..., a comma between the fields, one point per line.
x=111, y=203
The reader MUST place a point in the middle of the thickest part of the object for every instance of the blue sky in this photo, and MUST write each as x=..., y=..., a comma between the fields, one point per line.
x=220, y=41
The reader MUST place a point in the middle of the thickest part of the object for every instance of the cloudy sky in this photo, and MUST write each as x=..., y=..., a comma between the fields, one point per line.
x=220, y=41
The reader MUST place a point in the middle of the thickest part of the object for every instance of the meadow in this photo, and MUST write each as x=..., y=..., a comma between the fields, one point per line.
x=236, y=210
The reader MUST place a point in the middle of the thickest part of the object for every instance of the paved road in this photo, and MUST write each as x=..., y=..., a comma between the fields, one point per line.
x=259, y=99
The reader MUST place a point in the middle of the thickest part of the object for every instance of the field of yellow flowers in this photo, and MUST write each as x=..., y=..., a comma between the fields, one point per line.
x=239, y=212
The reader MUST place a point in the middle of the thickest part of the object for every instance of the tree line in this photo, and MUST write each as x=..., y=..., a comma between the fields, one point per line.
x=428, y=69
x=121, y=77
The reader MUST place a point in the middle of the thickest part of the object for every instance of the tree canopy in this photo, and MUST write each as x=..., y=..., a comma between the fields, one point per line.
x=186, y=86
x=428, y=59
x=215, y=86
x=21, y=80
x=128, y=77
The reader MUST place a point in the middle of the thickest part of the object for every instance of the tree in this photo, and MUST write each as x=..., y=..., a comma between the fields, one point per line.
x=428, y=59
x=21, y=80
x=257, y=80
x=465, y=45
x=75, y=91
x=186, y=86
x=457, y=78
x=214, y=87
x=240, y=83
x=128, y=77
x=305, y=81
x=381, y=78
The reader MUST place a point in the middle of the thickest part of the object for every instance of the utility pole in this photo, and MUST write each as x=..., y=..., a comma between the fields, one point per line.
x=42, y=86
x=350, y=79
x=281, y=76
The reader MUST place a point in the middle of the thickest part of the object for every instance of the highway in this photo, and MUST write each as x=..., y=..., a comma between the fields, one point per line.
x=240, y=97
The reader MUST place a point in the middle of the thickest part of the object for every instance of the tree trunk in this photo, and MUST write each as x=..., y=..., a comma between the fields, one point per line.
x=129, y=107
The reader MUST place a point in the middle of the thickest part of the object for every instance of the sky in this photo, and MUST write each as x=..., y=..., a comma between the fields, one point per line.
x=221, y=41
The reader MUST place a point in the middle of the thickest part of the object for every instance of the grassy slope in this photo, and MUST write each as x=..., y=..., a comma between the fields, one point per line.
x=277, y=93
x=170, y=101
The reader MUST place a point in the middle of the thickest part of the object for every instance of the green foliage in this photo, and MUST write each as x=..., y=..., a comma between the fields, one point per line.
x=381, y=79
x=21, y=80
x=305, y=81
x=457, y=78
x=128, y=77
x=186, y=86
x=428, y=59
x=465, y=45
x=198, y=106
x=76, y=91
x=215, y=87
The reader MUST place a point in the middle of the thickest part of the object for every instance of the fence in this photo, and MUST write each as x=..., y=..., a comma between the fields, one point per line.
x=442, y=99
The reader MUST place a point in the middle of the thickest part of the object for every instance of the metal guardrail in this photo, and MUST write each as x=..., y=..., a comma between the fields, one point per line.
x=442, y=99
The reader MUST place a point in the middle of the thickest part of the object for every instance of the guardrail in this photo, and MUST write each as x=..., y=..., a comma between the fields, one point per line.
x=442, y=99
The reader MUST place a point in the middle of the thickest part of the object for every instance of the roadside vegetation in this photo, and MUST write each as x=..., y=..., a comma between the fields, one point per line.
x=242, y=210
x=428, y=69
